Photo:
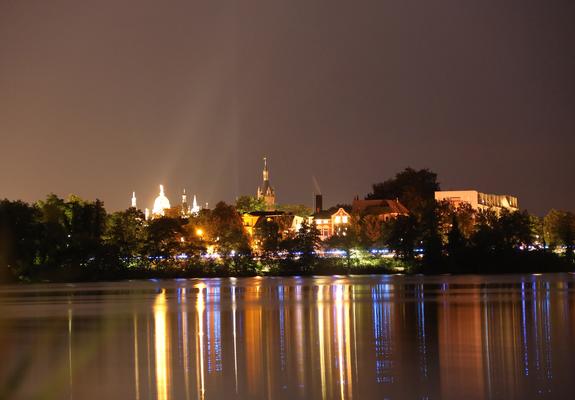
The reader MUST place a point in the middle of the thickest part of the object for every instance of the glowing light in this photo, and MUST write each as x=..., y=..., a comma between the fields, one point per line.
x=136, y=362
x=161, y=345
x=321, y=333
x=200, y=307
x=161, y=204
x=199, y=232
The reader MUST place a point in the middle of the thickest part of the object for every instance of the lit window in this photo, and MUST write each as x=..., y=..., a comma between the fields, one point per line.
x=338, y=219
x=345, y=219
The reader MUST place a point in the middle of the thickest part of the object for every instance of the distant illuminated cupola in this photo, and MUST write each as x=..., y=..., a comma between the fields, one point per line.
x=266, y=191
x=134, y=203
x=161, y=204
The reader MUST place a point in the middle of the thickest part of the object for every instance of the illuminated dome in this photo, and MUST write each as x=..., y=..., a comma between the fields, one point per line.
x=161, y=203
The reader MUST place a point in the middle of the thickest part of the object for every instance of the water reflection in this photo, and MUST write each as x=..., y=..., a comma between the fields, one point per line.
x=329, y=338
x=161, y=335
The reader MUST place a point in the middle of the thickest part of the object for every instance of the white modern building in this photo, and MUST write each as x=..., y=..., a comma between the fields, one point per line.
x=478, y=200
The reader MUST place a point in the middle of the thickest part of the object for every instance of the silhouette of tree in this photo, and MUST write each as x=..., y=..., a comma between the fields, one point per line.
x=415, y=189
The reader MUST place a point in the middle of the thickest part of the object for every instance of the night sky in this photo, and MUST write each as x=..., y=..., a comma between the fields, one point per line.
x=99, y=98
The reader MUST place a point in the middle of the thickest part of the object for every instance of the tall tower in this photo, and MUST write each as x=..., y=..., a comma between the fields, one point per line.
x=185, y=208
x=195, y=207
x=134, y=203
x=266, y=191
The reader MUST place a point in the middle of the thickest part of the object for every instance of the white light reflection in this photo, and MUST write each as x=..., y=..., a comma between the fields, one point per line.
x=200, y=307
x=184, y=316
x=320, y=326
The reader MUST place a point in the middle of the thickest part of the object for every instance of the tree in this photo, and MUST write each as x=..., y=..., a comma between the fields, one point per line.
x=403, y=236
x=429, y=235
x=559, y=229
x=126, y=235
x=413, y=188
x=164, y=238
x=246, y=204
x=347, y=240
x=86, y=222
x=53, y=245
x=307, y=243
x=515, y=229
x=19, y=237
x=456, y=242
x=267, y=234
x=226, y=231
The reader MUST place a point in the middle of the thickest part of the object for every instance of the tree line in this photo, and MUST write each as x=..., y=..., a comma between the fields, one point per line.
x=73, y=239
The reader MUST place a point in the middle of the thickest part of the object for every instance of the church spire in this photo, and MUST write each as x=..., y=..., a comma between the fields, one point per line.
x=184, y=197
x=266, y=191
x=134, y=200
x=195, y=207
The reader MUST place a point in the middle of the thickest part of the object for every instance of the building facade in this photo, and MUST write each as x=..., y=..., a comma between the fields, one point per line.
x=331, y=223
x=162, y=206
x=478, y=200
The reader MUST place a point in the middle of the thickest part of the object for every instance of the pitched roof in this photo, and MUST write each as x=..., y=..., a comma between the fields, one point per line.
x=265, y=213
x=378, y=207
x=325, y=214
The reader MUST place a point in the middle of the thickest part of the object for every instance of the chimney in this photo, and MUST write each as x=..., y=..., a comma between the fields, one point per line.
x=318, y=203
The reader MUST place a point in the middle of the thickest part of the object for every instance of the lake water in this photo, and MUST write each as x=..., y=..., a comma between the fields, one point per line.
x=364, y=337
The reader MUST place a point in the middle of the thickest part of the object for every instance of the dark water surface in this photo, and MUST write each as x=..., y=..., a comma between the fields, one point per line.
x=365, y=337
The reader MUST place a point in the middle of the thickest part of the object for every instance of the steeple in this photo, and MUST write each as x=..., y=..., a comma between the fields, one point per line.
x=195, y=208
x=134, y=200
x=185, y=208
x=266, y=191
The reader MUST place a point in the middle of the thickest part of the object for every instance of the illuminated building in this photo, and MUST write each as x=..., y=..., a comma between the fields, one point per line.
x=287, y=223
x=383, y=209
x=161, y=204
x=331, y=223
x=187, y=211
x=265, y=191
x=478, y=200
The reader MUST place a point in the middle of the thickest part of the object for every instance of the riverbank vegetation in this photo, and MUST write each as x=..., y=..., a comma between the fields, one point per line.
x=73, y=239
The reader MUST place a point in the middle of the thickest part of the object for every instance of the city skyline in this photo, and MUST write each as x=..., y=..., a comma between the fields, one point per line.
x=103, y=100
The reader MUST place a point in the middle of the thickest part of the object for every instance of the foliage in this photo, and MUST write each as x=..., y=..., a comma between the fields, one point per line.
x=268, y=235
x=19, y=236
x=559, y=228
x=246, y=204
x=307, y=243
x=403, y=236
x=295, y=209
x=413, y=188
x=225, y=230
x=126, y=234
x=347, y=240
